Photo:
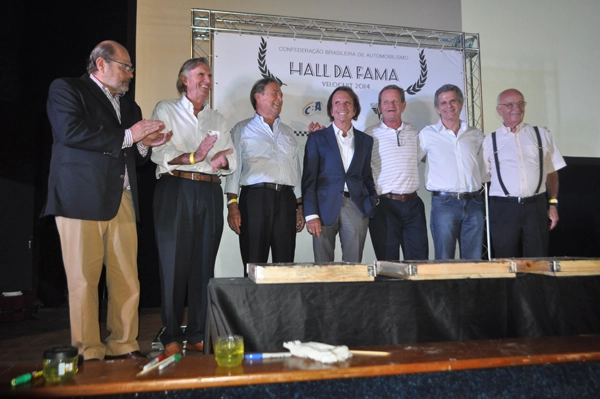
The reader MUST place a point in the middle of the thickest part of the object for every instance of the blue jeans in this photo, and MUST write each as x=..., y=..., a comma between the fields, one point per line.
x=454, y=219
x=399, y=224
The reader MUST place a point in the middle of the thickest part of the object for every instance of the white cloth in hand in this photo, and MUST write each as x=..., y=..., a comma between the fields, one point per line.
x=317, y=351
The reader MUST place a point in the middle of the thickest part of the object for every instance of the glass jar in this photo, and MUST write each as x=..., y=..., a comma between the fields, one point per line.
x=60, y=364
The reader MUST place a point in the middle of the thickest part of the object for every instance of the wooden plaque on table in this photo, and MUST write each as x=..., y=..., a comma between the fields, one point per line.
x=447, y=269
x=271, y=273
x=559, y=266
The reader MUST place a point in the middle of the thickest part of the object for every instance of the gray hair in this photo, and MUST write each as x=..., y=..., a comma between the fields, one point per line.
x=446, y=88
x=106, y=49
x=185, y=71
x=259, y=87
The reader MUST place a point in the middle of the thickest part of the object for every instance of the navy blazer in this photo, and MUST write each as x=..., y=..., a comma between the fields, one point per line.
x=88, y=162
x=324, y=176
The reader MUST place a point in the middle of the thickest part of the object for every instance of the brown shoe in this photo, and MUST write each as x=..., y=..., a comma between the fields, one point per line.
x=198, y=347
x=130, y=355
x=172, y=349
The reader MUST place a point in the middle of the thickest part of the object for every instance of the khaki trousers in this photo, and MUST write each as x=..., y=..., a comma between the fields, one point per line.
x=87, y=245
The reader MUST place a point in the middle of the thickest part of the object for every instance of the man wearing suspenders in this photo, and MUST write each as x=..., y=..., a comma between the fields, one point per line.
x=523, y=162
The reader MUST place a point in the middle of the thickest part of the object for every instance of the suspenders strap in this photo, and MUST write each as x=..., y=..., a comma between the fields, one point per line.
x=495, y=147
x=541, y=156
x=539, y=140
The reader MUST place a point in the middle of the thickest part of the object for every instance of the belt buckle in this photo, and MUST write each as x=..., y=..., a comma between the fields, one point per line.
x=277, y=187
x=520, y=200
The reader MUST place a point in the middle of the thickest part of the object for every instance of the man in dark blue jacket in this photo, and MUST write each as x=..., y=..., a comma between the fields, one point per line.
x=99, y=135
x=337, y=185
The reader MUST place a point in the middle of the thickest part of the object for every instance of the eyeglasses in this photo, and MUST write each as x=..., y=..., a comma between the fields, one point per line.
x=128, y=68
x=520, y=104
x=400, y=138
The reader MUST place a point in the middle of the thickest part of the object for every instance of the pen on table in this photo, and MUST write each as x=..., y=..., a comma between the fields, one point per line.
x=259, y=356
x=369, y=353
x=154, y=361
x=22, y=379
x=168, y=361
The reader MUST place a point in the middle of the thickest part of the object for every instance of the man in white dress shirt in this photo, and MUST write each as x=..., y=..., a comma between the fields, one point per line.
x=188, y=203
x=455, y=173
x=400, y=217
x=269, y=212
x=523, y=161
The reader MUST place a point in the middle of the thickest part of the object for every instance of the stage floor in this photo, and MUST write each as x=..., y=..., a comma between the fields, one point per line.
x=565, y=367
x=25, y=341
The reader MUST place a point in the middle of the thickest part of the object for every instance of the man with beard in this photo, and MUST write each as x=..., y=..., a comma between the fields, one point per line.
x=99, y=135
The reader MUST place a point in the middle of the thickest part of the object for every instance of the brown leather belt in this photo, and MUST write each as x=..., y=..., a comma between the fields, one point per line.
x=400, y=197
x=458, y=196
x=196, y=176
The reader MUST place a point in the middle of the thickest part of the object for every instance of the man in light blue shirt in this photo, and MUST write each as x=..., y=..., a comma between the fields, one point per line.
x=269, y=212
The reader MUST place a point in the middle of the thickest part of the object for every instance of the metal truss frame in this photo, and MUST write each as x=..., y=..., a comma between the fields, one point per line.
x=205, y=22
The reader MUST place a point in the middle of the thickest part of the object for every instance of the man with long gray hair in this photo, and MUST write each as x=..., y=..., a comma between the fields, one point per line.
x=188, y=203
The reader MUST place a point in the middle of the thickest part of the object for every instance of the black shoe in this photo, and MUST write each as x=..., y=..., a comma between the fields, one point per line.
x=130, y=355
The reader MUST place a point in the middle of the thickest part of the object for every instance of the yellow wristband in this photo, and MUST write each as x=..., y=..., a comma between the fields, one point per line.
x=192, y=158
x=232, y=201
x=553, y=201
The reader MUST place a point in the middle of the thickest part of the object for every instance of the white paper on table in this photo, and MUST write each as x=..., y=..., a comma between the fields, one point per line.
x=318, y=351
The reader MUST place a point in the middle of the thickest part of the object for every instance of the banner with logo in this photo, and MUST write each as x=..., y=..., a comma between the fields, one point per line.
x=309, y=70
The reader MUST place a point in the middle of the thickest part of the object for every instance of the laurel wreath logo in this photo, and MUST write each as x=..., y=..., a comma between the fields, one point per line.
x=266, y=73
x=416, y=87
x=262, y=62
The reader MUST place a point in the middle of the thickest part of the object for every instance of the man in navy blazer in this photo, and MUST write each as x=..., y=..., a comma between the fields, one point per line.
x=337, y=185
x=98, y=135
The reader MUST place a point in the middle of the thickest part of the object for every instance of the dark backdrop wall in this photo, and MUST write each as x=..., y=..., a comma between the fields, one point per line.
x=578, y=231
x=41, y=41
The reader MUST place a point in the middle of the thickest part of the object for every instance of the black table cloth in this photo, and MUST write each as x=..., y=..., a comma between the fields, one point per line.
x=394, y=311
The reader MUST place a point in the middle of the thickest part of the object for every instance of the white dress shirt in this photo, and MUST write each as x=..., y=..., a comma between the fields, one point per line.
x=265, y=155
x=346, y=147
x=115, y=100
x=395, y=167
x=188, y=132
x=454, y=162
x=519, y=160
